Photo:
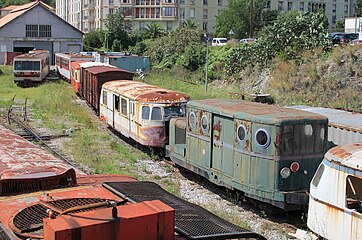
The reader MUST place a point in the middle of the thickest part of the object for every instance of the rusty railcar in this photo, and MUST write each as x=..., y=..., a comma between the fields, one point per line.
x=63, y=63
x=141, y=111
x=268, y=153
x=335, y=200
x=31, y=67
x=92, y=79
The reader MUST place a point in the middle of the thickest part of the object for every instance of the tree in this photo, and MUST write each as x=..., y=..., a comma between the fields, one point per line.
x=188, y=23
x=154, y=30
x=93, y=40
x=118, y=29
x=236, y=17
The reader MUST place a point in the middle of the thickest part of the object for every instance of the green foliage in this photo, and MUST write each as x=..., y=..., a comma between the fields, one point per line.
x=154, y=30
x=188, y=23
x=236, y=16
x=118, y=28
x=292, y=33
x=93, y=40
x=194, y=57
x=164, y=51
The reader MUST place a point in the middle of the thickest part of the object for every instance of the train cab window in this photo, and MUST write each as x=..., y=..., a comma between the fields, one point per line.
x=354, y=193
x=104, y=99
x=262, y=138
x=192, y=120
x=318, y=175
x=156, y=114
x=241, y=133
x=116, y=103
x=145, y=112
x=124, y=106
x=205, y=123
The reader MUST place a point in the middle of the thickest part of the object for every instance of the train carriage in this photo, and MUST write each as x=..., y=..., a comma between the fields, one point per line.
x=31, y=67
x=63, y=63
x=335, y=200
x=267, y=152
x=141, y=111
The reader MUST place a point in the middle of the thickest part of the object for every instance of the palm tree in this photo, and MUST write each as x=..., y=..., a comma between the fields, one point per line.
x=154, y=30
x=189, y=24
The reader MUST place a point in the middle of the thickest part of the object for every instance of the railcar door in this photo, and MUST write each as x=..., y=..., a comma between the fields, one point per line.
x=132, y=116
x=223, y=140
x=110, y=109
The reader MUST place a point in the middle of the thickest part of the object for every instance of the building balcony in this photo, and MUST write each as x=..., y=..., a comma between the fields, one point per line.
x=154, y=16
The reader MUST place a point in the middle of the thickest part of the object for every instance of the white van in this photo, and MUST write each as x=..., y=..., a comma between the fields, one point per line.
x=219, y=41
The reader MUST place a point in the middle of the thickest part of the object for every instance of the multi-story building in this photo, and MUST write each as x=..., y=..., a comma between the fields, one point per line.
x=334, y=9
x=88, y=15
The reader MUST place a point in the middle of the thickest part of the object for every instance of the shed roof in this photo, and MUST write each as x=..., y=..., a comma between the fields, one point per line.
x=337, y=118
x=348, y=155
x=104, y=69
x=257, y=112
x=144, y=92
x=22, y=9
x=9, y=8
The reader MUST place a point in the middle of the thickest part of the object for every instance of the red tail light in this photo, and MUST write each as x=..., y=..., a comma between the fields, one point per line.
x=294, y=167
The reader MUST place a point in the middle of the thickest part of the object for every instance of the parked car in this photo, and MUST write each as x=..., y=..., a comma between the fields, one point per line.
x=347, y=38
x=219, y=41
x=247, y=40
x=343, y=38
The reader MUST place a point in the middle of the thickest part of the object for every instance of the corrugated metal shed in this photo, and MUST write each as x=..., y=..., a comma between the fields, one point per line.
x=257, y=112
x=344, y=127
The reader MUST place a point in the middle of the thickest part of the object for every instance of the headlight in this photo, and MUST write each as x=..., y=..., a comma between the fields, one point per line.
x=285, y=172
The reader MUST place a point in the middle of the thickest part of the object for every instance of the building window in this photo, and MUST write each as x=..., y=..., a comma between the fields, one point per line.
x=290, y=6
x=280, y=6
x=44, y=31
x=268, y=5
x=204, y=26
x=182, y=2
x=205, y=13
x=168, y=11
x=192, y=2
x=110, y=11
x=192, y=13
x=142, y=25
x=204, y=2
x=111, y=2
x=334, y=7
x=301, y=6
x=182, y=13
x=346, y=9
x=219, y=3
x=169, y=25
x=334, y=19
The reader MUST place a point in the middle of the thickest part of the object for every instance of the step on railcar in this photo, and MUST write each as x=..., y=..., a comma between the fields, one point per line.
x=335, y=207
x=267, y=152
x=141, y=111
x=31, y=67
x=63, y=63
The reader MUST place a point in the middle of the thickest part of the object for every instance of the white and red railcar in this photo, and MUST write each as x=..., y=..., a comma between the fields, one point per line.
x=63, y=63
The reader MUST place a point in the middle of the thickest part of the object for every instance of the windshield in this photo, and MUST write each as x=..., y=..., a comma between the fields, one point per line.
x=223, y=40
x=27, y=65
x=174, y=111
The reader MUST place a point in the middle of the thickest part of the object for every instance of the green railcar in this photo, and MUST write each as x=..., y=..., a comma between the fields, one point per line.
x=269, y=153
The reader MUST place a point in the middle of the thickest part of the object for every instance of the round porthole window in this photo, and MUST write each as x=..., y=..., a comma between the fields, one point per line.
x=241, y=133
x=205, y=123
x=192, y=120
x=262, y=138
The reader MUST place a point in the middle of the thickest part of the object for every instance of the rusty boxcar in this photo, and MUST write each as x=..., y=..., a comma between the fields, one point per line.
x=269, y=153
x=31, y=67
x=92, y=79
x=141, y=111
x=335, y=207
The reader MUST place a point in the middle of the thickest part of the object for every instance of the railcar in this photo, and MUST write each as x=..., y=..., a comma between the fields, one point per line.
x=92, y=79
x=141, y=111
x=42, y=197
x=335, y=200
x=268, y=153
x=31, y=67
x=63, y=63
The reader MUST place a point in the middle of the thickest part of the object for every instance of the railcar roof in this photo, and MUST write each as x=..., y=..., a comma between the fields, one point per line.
x=144, y=92
x=348, y=155
x=74, y=55
x=338, y=118
x=21, y=158
x=94, y=64
x=33, y=54
x=104, y=69
x=257, y=112
x=77, y=64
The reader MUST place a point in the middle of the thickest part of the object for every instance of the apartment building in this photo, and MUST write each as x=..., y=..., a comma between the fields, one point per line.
x=88, y=15
x=334, y=9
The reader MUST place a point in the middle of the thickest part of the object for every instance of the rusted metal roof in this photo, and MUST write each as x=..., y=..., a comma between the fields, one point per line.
x=144, y=92
x=103, y=69
x=257, y=112
x=349, y=155
x=74, y=55
x=20, y=158
x=21, y=9
x=33, y=54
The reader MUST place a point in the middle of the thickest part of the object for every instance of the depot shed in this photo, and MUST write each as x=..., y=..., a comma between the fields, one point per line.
x=93, y=78
x=35, y=25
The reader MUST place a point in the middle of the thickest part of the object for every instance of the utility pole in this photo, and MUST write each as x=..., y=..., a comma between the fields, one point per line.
x=207, y=60
x=251, y=19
